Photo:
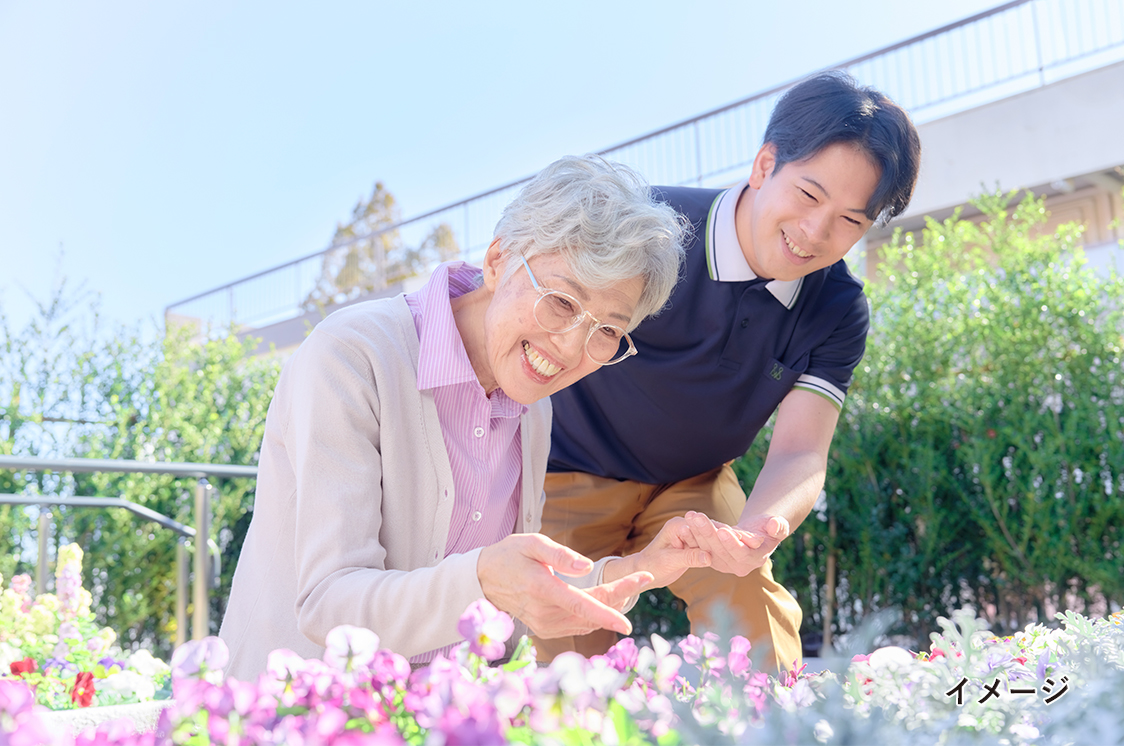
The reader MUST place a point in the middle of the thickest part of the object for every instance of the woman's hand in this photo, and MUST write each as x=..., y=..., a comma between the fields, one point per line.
x=676, y=549
x=517, y=576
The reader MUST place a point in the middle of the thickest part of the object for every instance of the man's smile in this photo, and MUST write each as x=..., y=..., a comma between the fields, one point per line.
x=794, y=248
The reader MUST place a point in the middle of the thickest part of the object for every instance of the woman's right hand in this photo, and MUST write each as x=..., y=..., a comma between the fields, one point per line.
x=517, y=576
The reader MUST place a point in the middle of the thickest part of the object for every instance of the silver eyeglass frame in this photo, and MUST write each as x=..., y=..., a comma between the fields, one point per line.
x=578, y=319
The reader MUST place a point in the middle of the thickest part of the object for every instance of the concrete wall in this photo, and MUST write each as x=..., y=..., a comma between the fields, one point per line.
x=1069, y=128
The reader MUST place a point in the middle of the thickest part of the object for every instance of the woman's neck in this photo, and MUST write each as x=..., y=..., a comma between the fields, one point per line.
x=468, y=313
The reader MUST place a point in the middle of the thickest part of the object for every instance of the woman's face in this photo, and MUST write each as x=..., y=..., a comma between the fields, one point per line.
x=526, y=361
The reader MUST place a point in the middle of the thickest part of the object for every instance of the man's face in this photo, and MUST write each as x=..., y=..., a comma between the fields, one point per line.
x=806, y=215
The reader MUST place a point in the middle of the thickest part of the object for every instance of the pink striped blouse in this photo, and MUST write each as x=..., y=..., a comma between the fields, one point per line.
x=481, y=433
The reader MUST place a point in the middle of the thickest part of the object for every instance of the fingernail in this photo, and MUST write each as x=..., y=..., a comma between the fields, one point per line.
x=580, y=564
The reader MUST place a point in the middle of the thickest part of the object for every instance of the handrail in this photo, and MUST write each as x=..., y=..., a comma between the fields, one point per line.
x=929, y=72
x=207, y=573
x=9, y=498
x=79, y=465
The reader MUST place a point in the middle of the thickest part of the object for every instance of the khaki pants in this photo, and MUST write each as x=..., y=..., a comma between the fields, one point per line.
x=599, y=517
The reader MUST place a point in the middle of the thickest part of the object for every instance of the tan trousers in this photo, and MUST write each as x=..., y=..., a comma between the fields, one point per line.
x=600, y=517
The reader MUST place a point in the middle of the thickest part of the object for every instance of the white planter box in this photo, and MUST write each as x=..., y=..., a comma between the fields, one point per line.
x=143, y=716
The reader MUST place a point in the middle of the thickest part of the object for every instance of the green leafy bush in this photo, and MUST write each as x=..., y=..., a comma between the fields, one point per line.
x=980, y=456
x=69, y=389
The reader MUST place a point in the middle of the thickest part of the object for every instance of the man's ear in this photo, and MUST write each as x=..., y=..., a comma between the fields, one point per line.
x=494, y=263
x=763, y=165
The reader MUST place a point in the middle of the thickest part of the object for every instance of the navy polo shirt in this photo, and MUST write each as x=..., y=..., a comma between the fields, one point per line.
x=715, y=364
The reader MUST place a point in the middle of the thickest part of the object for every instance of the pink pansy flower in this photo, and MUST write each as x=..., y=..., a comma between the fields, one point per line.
x=202, y=659
x=511, y=694
x=389, y=668
x=21, y=584
x=738, y=659
x=624, y=655
x=702, y=651
x=486, y=628
x=791, y=677
x=22, y=723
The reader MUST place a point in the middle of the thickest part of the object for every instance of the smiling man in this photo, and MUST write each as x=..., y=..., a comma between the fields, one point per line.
x=767, y=318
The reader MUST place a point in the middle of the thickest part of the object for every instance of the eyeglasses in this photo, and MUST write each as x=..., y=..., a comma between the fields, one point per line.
x=558, y=312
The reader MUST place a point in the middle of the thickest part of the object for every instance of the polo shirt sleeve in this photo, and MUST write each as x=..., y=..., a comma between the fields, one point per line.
x=833, y=362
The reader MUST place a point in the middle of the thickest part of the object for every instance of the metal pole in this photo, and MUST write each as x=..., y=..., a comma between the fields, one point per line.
x=1038, y=45
x=698, y=155
x=44, y=536
x=201, y=618
x=829, y=591
x=183, y=578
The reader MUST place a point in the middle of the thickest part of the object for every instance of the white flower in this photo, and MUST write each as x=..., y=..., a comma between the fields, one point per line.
x=128, y=685
x=890, y=658
x=9, y=655
x=347, y=648
x=146, y=665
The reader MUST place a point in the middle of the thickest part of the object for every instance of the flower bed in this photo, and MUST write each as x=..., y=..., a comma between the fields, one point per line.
x=1040, y=686
x=52, y=645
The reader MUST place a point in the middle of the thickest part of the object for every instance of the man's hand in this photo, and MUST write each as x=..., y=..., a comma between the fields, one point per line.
x=741, y=549
x=517, y=576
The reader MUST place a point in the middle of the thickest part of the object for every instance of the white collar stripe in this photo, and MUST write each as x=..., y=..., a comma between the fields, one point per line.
x=711, y=239
x=826, y=389
x=725, y=260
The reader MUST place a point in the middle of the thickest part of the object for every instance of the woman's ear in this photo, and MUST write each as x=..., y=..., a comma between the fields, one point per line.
x=494, y=263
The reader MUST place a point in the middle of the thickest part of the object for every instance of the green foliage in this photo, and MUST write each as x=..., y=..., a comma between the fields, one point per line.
x=70, y=391
x=980, y=455
x=658, y=611
x=46, y=396
x=203, y=403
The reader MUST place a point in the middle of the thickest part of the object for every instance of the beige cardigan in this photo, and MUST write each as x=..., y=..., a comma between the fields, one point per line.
x=354, y=499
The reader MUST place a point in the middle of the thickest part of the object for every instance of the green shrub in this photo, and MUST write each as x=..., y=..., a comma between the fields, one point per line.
x=68, y=389
x=980, y=456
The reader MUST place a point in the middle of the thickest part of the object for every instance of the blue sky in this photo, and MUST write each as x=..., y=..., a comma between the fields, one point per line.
x=164, y=148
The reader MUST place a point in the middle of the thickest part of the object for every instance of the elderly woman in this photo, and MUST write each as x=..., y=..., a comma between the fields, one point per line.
x=405, y=448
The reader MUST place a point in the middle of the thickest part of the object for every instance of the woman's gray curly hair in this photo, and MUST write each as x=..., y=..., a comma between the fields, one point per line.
x=601, y=217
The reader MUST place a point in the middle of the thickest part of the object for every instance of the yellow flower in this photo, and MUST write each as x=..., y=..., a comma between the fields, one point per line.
x=69, y=554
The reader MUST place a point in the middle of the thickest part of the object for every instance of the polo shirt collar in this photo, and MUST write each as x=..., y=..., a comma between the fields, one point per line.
x=724, y=258
x=442, y=358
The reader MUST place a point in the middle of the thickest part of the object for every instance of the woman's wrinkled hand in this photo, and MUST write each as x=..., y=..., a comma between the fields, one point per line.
x=675, y=550
x=517, y=576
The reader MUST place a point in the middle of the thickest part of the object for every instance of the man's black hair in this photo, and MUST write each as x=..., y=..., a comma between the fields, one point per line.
x=831, y=108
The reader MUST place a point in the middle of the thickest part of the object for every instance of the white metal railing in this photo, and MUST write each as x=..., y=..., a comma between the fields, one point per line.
x=206, y=564
x=1011, y=48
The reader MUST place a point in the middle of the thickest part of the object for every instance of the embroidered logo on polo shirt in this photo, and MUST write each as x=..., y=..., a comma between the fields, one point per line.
x=776, y=372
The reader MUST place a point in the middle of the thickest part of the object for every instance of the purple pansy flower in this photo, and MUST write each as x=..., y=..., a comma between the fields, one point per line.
x=486, y=628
